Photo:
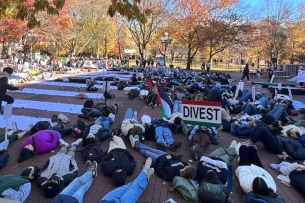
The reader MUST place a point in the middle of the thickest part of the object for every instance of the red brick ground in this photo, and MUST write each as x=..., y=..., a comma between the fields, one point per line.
x=157, y=190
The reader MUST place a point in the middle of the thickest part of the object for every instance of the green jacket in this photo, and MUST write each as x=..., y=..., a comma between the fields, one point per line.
x=11, y=182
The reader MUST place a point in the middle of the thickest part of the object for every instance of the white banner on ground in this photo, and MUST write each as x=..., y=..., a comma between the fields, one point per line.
x=240, y=86
x=301, y=76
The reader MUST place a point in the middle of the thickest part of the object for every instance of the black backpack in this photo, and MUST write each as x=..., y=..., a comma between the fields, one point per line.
x=88, y=103
x=107, y=95
x=3, y=158
x=93, y=152
x=133, y=94
x=41, y=125
x=121, y=85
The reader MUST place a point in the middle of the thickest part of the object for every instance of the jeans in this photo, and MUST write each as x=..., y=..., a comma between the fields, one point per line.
x=131, y=192
x=263, y=101
x=225, y=154
x=63, y=150
x=249, y=109
x=164, y=135
x=177, y=106
x=148, y=151
x=246, y=96
x=104, y=121
x=64, y=132
x=248, y=156
x=91, y=112
x=278, y=112
x=261, y=133
x=79, y=186
x=130, y=114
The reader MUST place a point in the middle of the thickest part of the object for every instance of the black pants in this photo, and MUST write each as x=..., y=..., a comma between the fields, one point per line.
x=245, y=75
x=248, y=156
x=7, y=99
x=261, y=133
x=64, y=132
x=270, y=73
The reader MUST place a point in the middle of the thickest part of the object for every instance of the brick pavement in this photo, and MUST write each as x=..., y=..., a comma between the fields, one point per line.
x=157, y=190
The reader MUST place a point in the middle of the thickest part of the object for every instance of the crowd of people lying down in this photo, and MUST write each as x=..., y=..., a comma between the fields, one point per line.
x=260, y=119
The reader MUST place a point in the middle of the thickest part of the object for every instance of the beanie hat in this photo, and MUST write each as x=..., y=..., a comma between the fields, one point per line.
x=9, y=70
x=119, y=177
x=276, y=123
x=51, y=189
x=31, y=172
x=178, y=121
x=25, y=154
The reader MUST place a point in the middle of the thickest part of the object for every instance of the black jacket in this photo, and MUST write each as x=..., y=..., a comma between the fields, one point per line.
x=118, y=159
x=4, y=86
x=169, y=168
x=291, y=147
x=222, y=173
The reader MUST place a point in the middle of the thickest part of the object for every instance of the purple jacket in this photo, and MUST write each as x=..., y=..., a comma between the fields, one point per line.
x=45, y=141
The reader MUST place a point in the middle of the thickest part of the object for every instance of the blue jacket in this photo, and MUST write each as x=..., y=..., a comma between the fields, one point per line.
x=243, y=131
x=64, y=199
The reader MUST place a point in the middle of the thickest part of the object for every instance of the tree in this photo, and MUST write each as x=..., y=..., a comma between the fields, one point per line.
x=193, y=18
x=76, y=26
x=141, y=32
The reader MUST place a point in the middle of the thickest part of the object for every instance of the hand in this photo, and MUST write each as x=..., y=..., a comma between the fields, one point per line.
x=168, y=156
x=218, y=166
x=236, y=122
x=204, y=163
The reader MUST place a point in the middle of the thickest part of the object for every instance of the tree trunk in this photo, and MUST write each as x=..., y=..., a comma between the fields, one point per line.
x=189, y=58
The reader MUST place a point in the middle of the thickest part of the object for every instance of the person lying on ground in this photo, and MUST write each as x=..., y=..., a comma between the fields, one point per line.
x=12, y=135
x=167, y=166
x=132, y=191
x=42, y=142
x=275, y=144
x=240, y=130
x=75, y=191
x=60, y=170
x=164, y=136
x=118, y=162
x=97, y=110
x=131, y=125
x=251, y=175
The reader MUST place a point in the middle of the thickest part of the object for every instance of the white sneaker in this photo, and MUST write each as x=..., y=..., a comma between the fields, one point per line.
x=237, y=146
x=111, y=115
x=14, y=127
x=63, y=143
x=132, y=141
x=233, y=143
x=151, y=171
x=29, y=128
x=148, y=163
x=136, y=138
x=77, y=142
x=135, y=114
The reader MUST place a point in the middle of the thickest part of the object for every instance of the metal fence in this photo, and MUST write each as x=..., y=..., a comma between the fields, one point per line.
x=289, y=69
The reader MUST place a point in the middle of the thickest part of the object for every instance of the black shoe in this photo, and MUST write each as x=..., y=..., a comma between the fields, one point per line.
x=193, y=153
x=119, y=133
x=174, y=146
x=161, y=146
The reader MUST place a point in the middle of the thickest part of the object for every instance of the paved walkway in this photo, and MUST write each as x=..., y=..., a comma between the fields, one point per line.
x=157, y=190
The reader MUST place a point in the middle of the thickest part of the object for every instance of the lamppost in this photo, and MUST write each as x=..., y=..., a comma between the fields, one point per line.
x=166, y=40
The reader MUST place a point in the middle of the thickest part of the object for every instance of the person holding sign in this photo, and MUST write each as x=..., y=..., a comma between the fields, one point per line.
x=4, y=86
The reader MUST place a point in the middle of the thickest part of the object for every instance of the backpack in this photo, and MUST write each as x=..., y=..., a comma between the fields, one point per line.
x=216, y=193
x=133, y=94
x=93, y=152
x=121, y=85
x=256, y=198
x=3, y=158
x=102, y=134
x=187, y=188
x=107, y=95
x=41, y=125
x=88, y=103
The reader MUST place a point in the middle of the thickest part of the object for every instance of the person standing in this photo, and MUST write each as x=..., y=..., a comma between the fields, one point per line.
x=208, y=66
x=270, y=71
x=203, y=66
x=246, y=73
x=4, y=86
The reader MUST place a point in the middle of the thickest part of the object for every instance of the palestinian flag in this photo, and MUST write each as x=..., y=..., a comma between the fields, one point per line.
x=151, y=86
x=165, y=103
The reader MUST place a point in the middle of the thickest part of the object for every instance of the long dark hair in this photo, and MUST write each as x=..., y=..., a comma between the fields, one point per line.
x=211, y=177
x=259, y=186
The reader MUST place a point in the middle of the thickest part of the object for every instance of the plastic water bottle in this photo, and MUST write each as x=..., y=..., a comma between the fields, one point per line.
x=77, y=131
